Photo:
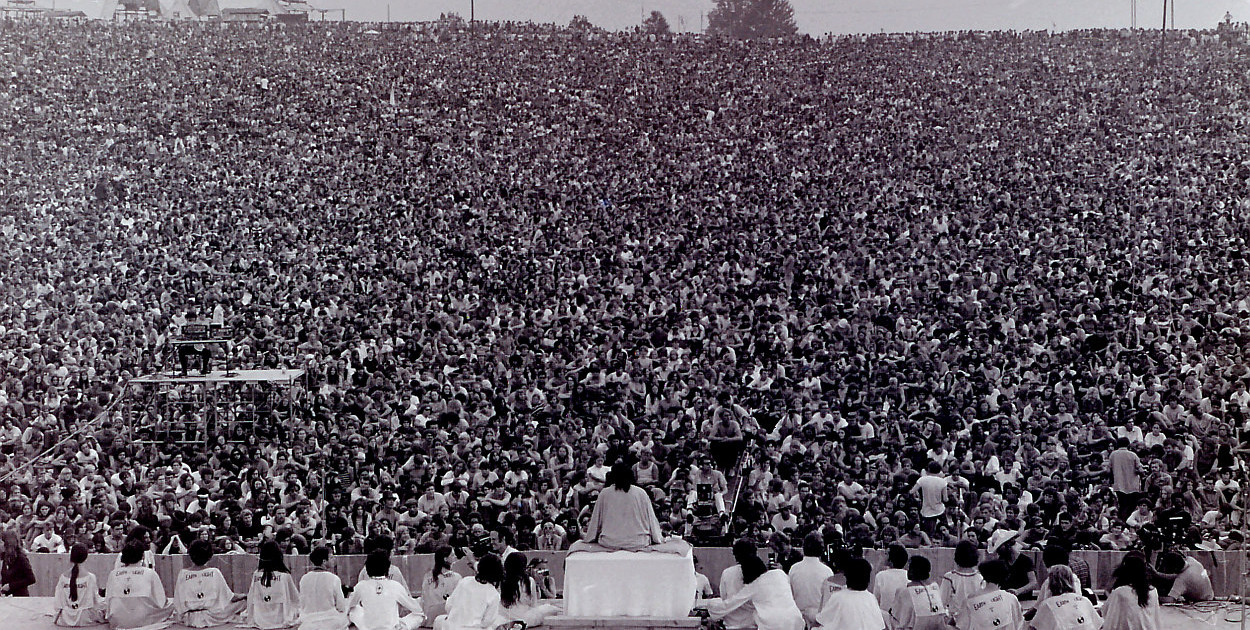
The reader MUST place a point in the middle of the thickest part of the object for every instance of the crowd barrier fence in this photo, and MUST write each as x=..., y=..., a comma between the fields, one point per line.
x=1223, y=566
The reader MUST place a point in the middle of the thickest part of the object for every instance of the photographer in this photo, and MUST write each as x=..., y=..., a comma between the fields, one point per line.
x=520, y=592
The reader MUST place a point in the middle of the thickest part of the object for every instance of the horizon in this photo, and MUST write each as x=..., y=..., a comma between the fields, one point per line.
x=819, y=17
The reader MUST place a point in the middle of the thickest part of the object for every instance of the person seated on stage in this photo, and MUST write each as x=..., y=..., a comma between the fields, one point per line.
x=853, y=607
x=375, y=602
x=475, y=602
x=387, y=544
x=1065, y=608
x=77, y=596
x=201, y=596
x=438, y=585
x=519, y=593
x=134, y=595
x=918, y=606
x=623, y=517
x=1190, y=581
x=273, y=600
x=322, y=603
x=768, y=592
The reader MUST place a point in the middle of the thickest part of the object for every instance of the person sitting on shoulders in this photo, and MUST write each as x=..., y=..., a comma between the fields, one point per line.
x=201, y=596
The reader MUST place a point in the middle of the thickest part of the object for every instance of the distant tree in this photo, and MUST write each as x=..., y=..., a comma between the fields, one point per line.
x=752, y=19
x=581, y=23
x=656, y=24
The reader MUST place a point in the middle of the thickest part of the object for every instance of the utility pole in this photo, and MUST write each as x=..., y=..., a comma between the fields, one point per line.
x=1133, y=12
x=472, y=11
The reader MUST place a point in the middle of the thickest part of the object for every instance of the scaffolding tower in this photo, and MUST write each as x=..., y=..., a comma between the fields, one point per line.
x=173, y=409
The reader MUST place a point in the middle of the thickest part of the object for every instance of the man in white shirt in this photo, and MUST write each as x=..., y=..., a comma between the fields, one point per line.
x=375, y=600
x=932, y=489
x=891, y=580
x=807, y=577
x=431, y=501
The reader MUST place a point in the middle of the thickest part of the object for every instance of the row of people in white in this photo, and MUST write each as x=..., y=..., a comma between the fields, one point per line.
x=134, y=596
x=906, y=599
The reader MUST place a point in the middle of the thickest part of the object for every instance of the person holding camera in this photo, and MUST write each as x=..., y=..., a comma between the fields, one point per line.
x=520, y=593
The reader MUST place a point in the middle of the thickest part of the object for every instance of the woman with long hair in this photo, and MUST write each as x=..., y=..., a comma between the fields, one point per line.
x=273, y=599
x=77, y=595
x=16, y=576
x=1133, y=603
x=475, y=603
x=438, y=585
x=623, y=517
x=519, y=594
x=768, y=591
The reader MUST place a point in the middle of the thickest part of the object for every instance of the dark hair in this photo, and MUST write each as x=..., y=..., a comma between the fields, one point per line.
x=995, y=572
x=319, y=555
x=270, y=562
x=200, y=552
x=515, y=579
x=132, y=552
x=378, y=564
x=137, y=533
x=744, y=548
x=752, y=568
x=1134, y=572
x=77, y=555
x=918, y=568
x=489, y=569
x=442, y=562
x=1055, y=553
x=813, y=545
x=966, y=554
x=858, y=571
x=621, y=476
x=897, y=556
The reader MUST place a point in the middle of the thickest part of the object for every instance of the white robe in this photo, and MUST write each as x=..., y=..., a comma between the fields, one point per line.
x=394, y=574
x=472, y=606
x=1069, y=611
x=321, y=600
x=202, y=599
x=88, y=610
x=847, y=609
x=730, y=584
x=273, y=606
x=1121, y=611
x=807, y=582
x=773, y=601
x=434, y=596
x=375, y=606
x=135, y=598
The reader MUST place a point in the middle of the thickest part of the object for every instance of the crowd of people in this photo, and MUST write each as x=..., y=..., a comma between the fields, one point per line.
x=929, y=289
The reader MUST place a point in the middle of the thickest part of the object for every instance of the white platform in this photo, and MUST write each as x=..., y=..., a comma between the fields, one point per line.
x=221, y=376
x=629, y=584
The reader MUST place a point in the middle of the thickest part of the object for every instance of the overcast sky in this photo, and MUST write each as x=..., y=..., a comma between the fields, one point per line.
x=825, y=16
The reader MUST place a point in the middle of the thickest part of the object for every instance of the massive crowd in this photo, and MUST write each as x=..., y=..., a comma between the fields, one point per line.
x=930, y=289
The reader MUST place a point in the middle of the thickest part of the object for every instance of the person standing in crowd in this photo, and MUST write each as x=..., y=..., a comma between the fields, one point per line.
x=375, y=602
x=851, y=608
x=273, y=599
x=933, y=490
x=76, y=599
x=438, y=586
x=1066, y=608
x=322, y=603
x=1126, y=472
x=475, y=602
x=1132, y=604
x=201, y=596
x=768, y=592
x=134, y=596
x=808, y=576
x=16, y=575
